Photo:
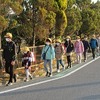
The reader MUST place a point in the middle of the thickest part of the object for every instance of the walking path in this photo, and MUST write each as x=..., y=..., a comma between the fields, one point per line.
x=20, y=78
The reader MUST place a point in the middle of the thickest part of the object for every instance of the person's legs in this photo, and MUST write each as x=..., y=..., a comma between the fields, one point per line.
x=7, y=67
x=30, y=75
x=61, y=62
x=27, y=74
x=77, y=58
x=80, y=57
x=85, y=55
x=68, y=60
x=45, y=65
x=58, y=61
x=93, y=53
x=11, y=73
x=15, y=77
x=50, y=67
x=9, y=70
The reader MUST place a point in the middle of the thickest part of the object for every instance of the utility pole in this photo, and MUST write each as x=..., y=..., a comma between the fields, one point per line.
x=33, y=34
x=34, y=19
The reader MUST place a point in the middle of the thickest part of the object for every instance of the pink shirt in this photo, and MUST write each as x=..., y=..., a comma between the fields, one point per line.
x=79, y=48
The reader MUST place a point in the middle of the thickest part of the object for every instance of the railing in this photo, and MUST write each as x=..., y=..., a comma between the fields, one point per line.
x=37, y=53
x=37, y=67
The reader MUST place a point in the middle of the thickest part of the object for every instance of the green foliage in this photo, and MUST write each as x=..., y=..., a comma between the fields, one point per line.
x=61, y=23
x=17, y=8
x=62, y=4
x=83, y=17
x=3, y=24
x=44, y=18
x=6, y=8
x=74, y=18
x=70, y=3
x=91, y=19
x=61, y=18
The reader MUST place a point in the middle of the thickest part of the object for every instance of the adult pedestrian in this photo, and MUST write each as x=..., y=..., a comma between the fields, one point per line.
x=9, y=55
x=93, y=45
x=79, y=49
x=48, y=54
x=86, y=47
x=58, y=54
x=69, y=47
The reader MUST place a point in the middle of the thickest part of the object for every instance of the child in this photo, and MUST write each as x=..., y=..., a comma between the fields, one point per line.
x=93, y=45
x=58, y=54
x=49, y=52
x=26, y=62
x=86, y=47
x=69, y=48
x=79, y=49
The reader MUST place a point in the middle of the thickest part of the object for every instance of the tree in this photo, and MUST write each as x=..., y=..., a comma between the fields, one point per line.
x=7, y=8
x=61, y=18
x=96, y=8
x=74, y=18
x=90, y=17
x=41, y=18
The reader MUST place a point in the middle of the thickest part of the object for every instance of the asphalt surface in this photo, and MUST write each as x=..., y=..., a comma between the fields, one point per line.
x=71, y=84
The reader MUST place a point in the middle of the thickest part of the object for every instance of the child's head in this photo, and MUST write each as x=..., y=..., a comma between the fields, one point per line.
x=25, y=49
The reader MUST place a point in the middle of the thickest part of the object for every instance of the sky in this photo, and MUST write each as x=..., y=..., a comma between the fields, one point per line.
x=94, y=0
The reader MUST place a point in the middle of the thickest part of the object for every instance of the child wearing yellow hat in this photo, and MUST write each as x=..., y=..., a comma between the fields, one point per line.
x=58, y=54
x=26, y=62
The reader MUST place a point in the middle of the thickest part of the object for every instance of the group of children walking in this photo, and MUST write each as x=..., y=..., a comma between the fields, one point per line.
x=79, y=46
x=50, y=52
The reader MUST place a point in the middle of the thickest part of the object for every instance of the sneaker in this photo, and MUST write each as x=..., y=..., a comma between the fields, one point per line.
x=70, y=65
x=67, y=66
x=26, y=80
x=58, y=70
x=47, y=74
x=84, y=60
x=9, y=83
x=31, y=77
x=50, y=75
x=94, y=58
x=63, y=68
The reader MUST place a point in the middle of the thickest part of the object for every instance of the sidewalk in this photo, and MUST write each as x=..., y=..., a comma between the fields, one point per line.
x=37, y=72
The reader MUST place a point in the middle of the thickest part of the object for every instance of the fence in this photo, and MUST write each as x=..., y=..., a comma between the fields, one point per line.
x=37, y=67
x=37, y=53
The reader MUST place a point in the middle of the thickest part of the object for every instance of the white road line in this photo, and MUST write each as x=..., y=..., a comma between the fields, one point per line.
x=38, y=83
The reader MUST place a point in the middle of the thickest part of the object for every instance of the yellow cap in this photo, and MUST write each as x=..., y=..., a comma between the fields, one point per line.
x=78, y=37
x=25, y=49
x=8, y=35
x=68, y=37
x=58, y=40
x=49, y=39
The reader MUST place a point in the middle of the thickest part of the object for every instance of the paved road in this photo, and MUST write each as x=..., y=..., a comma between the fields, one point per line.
x=83, y=84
